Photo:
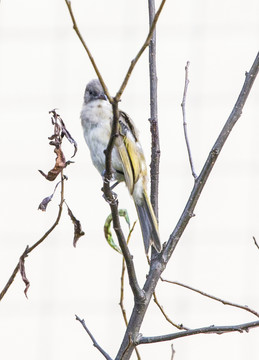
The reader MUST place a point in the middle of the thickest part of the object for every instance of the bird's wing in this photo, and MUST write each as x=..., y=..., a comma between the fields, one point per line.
x=128, y=150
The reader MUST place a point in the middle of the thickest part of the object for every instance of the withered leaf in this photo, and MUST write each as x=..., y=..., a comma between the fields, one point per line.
x=61, y=130
x=67, y=134
x=43, y=205
x=59, y=166
x=22, y=272
x=77, y=227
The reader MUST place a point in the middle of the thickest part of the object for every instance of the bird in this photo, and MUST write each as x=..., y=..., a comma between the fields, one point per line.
x=127, y=158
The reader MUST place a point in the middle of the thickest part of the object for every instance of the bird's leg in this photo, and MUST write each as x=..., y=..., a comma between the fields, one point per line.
x=114, y=185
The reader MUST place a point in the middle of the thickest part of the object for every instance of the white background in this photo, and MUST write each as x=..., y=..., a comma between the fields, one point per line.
x=44, y=66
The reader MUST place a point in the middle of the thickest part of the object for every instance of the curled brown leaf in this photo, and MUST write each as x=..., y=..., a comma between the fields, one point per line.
x=61, y=130
x=59, y=165
x=77, y=227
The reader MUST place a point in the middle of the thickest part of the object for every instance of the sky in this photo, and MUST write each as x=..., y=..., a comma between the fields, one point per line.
x=44, y=66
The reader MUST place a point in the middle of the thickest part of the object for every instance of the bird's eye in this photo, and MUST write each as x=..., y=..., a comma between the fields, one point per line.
x=93, y=93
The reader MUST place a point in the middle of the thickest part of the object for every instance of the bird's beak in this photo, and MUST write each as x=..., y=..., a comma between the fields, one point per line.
x=102, y=97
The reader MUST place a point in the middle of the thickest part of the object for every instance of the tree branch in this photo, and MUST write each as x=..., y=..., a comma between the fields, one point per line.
x=186, y=83
x=75, y=27
x=93, y=339
x=179, y=327
x=205, y=330
x=155, y=145
x=225, y=302
x=144, y=46
x=208, y=166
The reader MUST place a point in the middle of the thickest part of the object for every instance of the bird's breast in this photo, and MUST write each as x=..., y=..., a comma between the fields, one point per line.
x=96, y=120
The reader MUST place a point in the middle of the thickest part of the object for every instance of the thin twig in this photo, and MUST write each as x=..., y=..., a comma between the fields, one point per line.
x=256, y=244
x=173, y=351
x=205, y=330
x=75, y=27
x=31, y=248
x=144, y=46
x=121, y=303
x=186, y=83
x=180, y=327
x=104, y=353
x=225, y=302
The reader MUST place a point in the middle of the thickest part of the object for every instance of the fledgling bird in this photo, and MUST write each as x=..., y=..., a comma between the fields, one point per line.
x=128, y=161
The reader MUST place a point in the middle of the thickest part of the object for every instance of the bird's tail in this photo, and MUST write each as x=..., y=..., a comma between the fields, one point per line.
x=148, y=223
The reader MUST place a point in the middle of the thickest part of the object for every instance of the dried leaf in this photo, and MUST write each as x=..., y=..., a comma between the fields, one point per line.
x=61, y=130
x=59, y=166
x=77, y=227
x=43, y=205
x=107, y=229
x=22, y=272
x=67, y=134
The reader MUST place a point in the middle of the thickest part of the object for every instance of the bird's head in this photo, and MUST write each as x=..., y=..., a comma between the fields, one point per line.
x=94, y=91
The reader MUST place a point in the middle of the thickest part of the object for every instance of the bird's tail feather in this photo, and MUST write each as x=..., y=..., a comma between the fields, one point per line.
x=148, y=223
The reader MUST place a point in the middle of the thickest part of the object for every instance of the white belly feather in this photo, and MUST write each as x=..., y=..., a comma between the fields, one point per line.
x=96, y=118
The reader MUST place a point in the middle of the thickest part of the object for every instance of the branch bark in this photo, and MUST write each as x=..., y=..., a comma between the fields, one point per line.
x=204, y=330
x=186, y=84
x=155, y=143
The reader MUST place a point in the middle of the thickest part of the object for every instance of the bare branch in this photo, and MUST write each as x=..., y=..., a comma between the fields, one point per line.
x=104, y=353
x=205, y=330
x=209, y=164
x=121, y=303
x=225, y=302
x=173, y=351
x=144, y=46
x=179, y=327
x=155, y=145
x=75, y=27
x=186, y=83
